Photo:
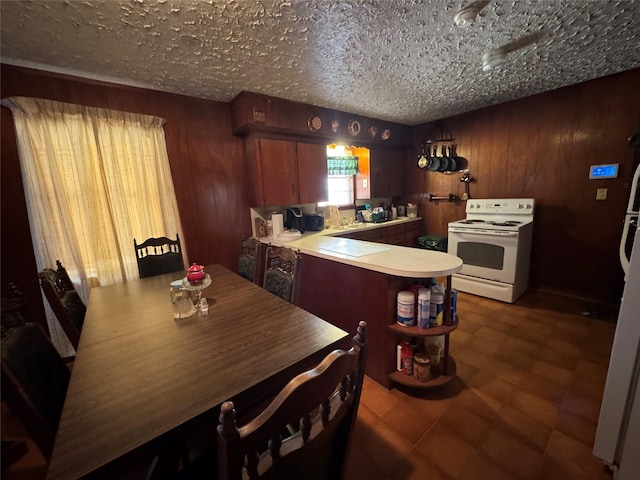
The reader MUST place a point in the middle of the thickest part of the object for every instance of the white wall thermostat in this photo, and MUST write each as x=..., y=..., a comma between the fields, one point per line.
x=603, y=171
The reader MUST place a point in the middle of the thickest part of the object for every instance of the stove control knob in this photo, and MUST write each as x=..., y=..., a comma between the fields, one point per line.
x=529, y=206
x=520, y=205
x=471, y=205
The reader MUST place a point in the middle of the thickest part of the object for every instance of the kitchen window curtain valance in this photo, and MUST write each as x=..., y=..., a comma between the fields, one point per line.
x=338, y=166
x=94, y=180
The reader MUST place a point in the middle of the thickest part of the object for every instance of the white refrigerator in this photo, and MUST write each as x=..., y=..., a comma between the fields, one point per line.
x=617, y=439
x=630, y=222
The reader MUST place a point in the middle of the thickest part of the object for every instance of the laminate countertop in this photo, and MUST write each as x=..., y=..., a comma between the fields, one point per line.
x=380, y=257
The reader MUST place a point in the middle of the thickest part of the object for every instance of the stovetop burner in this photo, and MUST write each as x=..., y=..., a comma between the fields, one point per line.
x=508, y=223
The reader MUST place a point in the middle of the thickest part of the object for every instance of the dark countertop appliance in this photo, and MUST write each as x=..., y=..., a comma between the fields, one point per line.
x=313, y=222
x=294, y=219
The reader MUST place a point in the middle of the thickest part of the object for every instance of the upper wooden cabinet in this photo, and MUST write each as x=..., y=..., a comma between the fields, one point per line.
x=387, y=173
x=312, y=172
x=286, y=173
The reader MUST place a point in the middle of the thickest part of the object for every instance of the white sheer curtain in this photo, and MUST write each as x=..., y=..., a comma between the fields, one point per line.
x=94, y=180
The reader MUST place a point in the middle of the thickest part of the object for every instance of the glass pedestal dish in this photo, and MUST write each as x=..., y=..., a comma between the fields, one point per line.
x=196, y=288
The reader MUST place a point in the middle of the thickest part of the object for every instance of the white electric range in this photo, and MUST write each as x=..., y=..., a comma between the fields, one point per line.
x=494, y=243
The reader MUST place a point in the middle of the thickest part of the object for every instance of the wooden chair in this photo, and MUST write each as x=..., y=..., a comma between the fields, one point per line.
x=248, y=260
x=14, y=314
x=281, y=272
x=34, y=382
x=160, y=255
x=323, y=401
x=64, y=300
x=14, y=310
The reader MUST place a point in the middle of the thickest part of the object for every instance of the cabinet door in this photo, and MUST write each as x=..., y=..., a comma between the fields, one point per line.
x=395, y=235
x=312, y=172
x=413, y=231
x=374, y=235
x=387, y=177
x=279, y=172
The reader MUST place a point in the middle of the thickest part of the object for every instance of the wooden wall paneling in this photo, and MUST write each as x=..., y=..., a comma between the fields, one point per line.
x=594, y=143
x=531, y=127
x=483, y=131
x=471, y=151
x=499, y=163
x=518, y=152
x=551, y=216
x=553, y=137
x=217, y=215
x=17, y=261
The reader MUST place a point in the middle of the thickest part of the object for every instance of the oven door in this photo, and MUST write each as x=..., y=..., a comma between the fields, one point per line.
x=489, y=254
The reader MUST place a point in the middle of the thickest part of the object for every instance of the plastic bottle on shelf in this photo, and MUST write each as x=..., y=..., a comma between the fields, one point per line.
x=407, y=358
x=436, y=317
x=424, y=308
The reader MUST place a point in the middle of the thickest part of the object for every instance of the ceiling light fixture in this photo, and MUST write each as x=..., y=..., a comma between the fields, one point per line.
x=466, y=16
x=493, y=59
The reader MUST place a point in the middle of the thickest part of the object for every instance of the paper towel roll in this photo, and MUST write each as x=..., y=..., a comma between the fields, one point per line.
x=277, y=220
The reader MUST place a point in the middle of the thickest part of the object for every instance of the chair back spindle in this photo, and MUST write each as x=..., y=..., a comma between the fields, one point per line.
x=156, y=256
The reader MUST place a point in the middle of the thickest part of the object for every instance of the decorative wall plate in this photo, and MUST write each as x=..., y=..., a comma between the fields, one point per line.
x=385, y=134
x=372, y=131
x=354, y=128
x=314, y=124
x=334, y=126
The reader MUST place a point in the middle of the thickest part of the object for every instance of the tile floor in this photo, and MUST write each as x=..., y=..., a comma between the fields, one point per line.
x=524, y=406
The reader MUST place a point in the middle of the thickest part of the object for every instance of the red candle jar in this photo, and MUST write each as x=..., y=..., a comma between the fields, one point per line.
x=195, y=273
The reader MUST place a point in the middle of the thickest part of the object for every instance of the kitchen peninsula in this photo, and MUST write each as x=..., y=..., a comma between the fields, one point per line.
x=344, y=281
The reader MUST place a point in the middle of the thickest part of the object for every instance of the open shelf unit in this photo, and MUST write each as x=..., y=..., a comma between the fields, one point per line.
x=447, y=370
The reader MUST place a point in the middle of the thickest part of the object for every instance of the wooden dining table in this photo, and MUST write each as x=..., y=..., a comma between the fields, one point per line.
x=139, y=373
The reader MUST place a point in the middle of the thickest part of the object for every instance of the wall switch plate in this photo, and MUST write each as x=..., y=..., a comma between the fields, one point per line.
x=601, y=194
x=364, y=183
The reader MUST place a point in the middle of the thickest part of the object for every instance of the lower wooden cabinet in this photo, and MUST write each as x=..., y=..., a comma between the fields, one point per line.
x=413, y=230
x=403, y=234
x=375, y=235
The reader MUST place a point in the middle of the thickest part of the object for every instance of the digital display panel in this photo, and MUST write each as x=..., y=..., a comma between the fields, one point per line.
x=603, y=171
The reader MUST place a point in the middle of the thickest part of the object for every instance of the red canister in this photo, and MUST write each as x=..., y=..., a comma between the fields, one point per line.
x=195, y=273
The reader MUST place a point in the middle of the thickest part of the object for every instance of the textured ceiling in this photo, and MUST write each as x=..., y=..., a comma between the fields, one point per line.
x=397, y=60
